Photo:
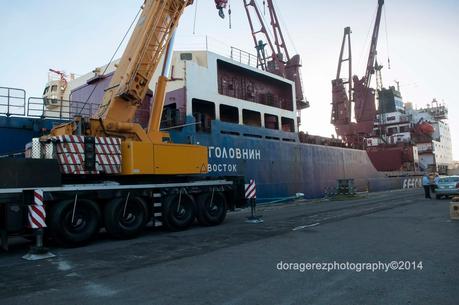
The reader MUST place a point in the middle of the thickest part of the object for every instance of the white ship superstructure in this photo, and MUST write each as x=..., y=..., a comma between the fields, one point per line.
x=439, y=151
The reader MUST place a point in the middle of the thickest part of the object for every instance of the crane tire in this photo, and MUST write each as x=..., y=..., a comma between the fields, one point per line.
x=179, y=217
x=86, y=221
x=126, y=220
x=211, y=213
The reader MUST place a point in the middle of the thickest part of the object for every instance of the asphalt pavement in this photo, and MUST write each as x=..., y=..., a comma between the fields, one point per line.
x=309, y=252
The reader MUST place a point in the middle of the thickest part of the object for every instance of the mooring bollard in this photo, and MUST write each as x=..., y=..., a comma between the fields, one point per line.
x=251, y=196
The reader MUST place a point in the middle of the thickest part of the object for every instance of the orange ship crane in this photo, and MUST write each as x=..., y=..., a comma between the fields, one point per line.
x=358, y=92
x=143, y=151
x=370, y=70
x=342, y=98
x=279, y=61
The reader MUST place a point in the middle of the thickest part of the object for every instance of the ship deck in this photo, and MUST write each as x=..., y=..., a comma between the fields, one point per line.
x=236, y=263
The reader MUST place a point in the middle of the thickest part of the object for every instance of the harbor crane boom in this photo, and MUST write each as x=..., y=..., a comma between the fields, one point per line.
x=279, y=61
x=370, y=70
x=342, y=98
x=358, y=92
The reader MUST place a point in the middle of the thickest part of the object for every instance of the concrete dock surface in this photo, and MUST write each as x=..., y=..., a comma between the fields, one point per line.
x=383, y=248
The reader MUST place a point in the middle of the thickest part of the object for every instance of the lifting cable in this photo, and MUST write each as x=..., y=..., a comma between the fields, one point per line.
x=284, y=27
x=111, y=59
x=387, y=39
x=366, y=48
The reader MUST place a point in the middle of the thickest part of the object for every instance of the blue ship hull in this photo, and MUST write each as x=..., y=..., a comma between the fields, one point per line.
x=16, y=132
x=276, y=160
x=280, y=164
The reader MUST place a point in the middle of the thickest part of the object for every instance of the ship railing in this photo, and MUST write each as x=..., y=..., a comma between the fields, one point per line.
x=46, y=108
x=244, y=57
x=66, y=110
x=211, y=44
x=201, y=43
x=12, y=101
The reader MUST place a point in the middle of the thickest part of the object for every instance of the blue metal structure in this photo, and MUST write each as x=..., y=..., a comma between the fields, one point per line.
x=280, y=164
x=15, y=132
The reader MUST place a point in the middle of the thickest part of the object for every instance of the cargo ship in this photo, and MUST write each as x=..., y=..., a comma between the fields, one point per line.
x=248, y=118
x=398, y=138
x=406, y=138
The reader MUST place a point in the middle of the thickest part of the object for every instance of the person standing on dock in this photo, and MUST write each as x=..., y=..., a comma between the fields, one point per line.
x=426, y=185
x=435, y=183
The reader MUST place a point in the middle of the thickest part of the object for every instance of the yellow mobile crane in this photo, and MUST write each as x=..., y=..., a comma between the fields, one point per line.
x=143, y=151
x=109, y=172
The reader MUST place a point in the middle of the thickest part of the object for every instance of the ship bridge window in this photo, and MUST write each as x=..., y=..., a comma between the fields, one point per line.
x=391, y=118
x=271, y=121
x=288, y=124
x=404, y=128
x=246, y=84
x=229, y=114
x=392, y=130
x=53, y=88
x=204, y=113
x=251, y=118
x=46, y=90
x=186, y=56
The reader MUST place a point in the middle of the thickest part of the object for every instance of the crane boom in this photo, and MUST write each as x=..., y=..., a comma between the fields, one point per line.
x=278, y=35
x=143, y=53
x=130, y=82
x=146, y=152
x=342, y=103
x=274, y=65
x=279, y=61
x=374, y=43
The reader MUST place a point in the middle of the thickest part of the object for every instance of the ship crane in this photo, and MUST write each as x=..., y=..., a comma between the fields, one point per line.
x=278, y=61
x=358, y=92
x=342, y=97
x=62, y=80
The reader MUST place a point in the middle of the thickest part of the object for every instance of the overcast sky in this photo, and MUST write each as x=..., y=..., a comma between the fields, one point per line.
x=76, y=36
